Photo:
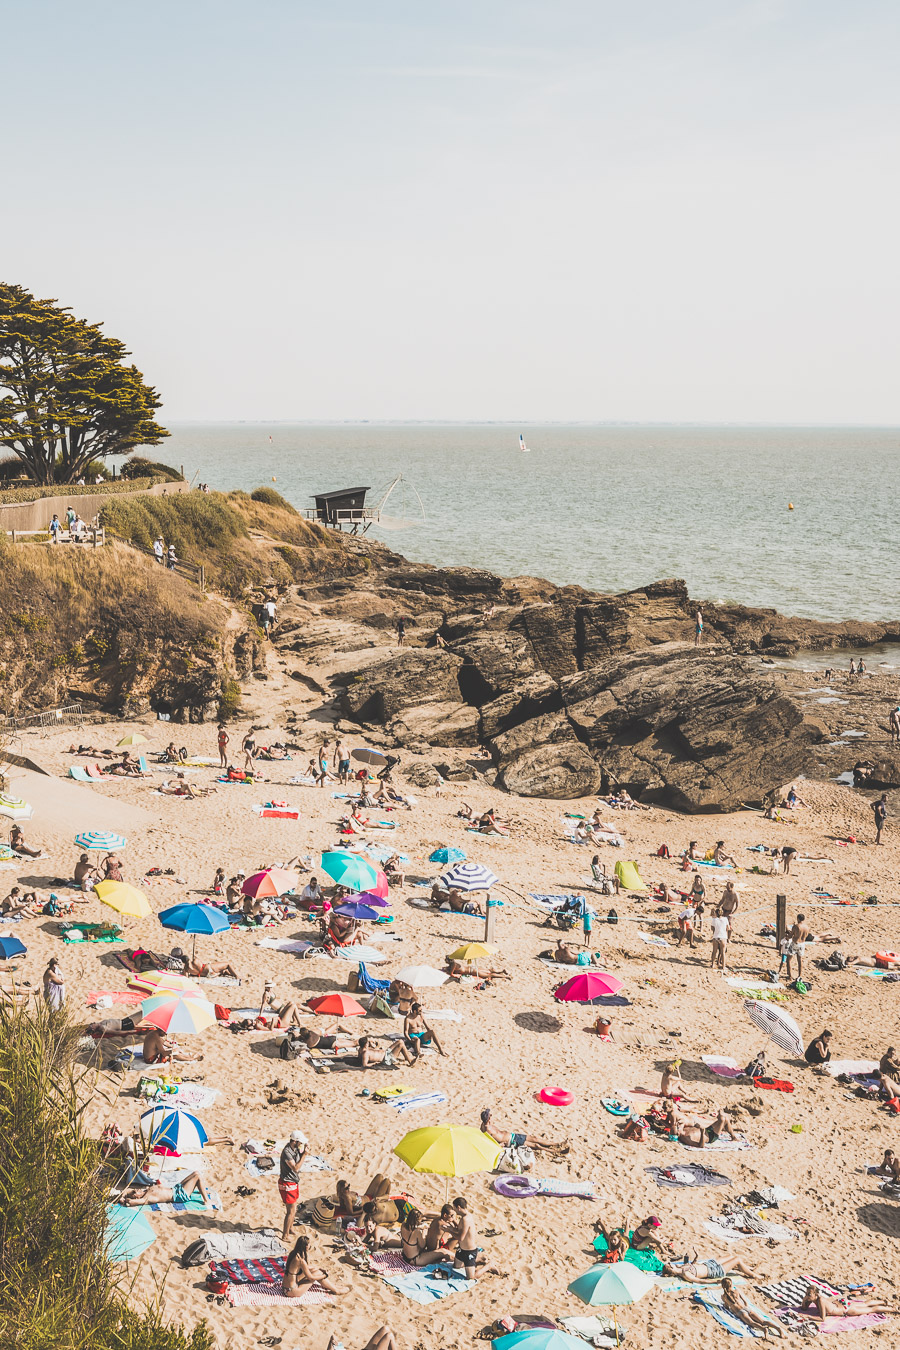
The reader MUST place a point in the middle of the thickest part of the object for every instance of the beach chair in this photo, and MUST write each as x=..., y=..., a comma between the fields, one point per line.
x=80, y=775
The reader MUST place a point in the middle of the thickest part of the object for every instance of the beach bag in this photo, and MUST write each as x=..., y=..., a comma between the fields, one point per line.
x=322, y=1214
x=222, y=1014
x=515, y=1160
x=663, y=851
x=196, y=1254
x=612, y=917
x=289, y=1048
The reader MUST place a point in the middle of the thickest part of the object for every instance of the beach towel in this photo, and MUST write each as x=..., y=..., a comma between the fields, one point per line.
x=128, y=996
x=712, y=1302
x=725, y=1144
x=654, y=941
x=444, y=1015
x=647, y=1261
x=248, y=1269
x=268, y=813
x=614, y=1107
x=368, y=983
x=80, y=775
x=221, y=981
x=599, y=1331
x=192, y=1204
x=722, y=1065
x=391, y=1263
x=851, y=1066
x=187, y=1163
x=265, y=1295
x=725, y=867
x=733, y=1227
x=195, y=1096
x=401, y=1104
x=295, y=945
x=689, y=1174
x=562, y=1186
x=789, y=1293
x=422, y=1287
x=371, y=955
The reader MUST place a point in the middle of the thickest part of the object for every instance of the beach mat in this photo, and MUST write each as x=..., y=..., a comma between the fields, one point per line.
x=691, y=1174
x=713, y=1305
x=422, y=1287
x=268, y=1295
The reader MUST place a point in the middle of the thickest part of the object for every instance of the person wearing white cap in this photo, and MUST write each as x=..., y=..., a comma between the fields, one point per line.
x=292, y=1156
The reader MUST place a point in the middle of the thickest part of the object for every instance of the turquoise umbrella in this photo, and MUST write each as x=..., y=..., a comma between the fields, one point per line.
x=447, y=855
x=539, y=1338
x=616, y=1285
x=346, y=869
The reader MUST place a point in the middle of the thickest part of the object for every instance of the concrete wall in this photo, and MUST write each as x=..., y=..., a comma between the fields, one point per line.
x=38, y=514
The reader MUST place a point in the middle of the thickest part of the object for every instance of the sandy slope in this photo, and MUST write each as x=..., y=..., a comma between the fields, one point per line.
x=514, y=1039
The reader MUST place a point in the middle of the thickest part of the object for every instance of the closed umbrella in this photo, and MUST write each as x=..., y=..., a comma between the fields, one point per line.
x=613, y=1286
x=176, y=1013
x=346, y=869
x=273, y=881
x=11, y=946
x=447, y=855
x=124, y=899
x=336, y=1005
x=188, y=918
x=354, y=909
x=778, y=1025
x=469, y=876
x=586, y=986
x=448, y=1151
x=363, y=755
x=421, y=977
x=102, y=840
x=165, y=1127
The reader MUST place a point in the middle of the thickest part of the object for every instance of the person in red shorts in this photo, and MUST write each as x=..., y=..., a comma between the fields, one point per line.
x=292, y=1156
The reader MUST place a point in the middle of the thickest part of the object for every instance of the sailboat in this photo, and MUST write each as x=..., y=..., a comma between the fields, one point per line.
x=522, y=446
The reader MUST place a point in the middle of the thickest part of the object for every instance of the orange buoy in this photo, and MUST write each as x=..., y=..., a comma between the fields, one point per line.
x=790, y=506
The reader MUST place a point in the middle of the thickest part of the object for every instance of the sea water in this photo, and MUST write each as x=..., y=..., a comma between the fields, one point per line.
x=605, y=507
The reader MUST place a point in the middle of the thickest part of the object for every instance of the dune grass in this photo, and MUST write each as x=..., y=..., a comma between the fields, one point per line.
x=58, y=1287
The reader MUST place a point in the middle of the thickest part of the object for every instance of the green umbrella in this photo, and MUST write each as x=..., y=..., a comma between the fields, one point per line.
x=616, y=1285
x=346, y=869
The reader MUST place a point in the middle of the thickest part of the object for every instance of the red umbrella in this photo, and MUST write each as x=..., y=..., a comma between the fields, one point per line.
x=274, y=881
x=381, y=885
x=590, y=984
x=337, y=1005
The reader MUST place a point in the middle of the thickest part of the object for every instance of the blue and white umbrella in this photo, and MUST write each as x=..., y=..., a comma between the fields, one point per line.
x=101, y=839
x=167, y=1127
x=469, y=876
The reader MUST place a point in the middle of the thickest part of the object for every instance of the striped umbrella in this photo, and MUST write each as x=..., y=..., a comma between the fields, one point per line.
x=15, y=807
x=469, y=876
x=178, y=1012
x=101, y=839
x=158, y=980
x=778, y=1025
x=164, y=1127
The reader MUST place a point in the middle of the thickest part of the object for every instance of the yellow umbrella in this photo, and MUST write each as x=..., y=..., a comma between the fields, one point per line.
x=158, y=980
x=134, y=739
x=448, y=1151
x=471, y=951
x=124, y=899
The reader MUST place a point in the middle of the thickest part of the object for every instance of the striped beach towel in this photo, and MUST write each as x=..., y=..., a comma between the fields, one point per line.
x=268, y=1295
x=262, y=1270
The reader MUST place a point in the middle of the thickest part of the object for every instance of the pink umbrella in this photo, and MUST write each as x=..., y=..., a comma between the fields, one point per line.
x=381, y=885
x=588, y=985
x=273, y=881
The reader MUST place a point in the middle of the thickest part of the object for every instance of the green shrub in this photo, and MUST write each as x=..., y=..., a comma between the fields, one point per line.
x=35, y=493
x=140, y=467
x=269, y=497
x=230, y=700
x=58, y=1287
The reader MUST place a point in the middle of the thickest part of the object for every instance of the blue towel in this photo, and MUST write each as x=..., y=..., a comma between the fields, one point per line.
x=369, y=984
x=726, y=1319
x=423, y=1288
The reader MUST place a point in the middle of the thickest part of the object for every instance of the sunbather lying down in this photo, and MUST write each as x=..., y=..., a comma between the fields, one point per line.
x=157, y=1194
x=820, y=1305
x=701, y=1135
x=709, y=1271
x=737, y=1305
x=382, y=1339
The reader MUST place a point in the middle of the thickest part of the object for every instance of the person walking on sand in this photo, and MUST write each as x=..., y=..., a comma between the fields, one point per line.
x=248, y=746
x=698, y=628
x=720, y=929
x=879, y=810
x=223, y=746
x=289, y=1164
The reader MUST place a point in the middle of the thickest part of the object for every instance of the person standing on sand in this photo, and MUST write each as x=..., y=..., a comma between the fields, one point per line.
x=223, y=746
x=54, y=986
x=248, y=745
x=879, y=810
x=401, y=631
x=793, y=947
x=894, y=724
x=467, y=1239
x=341, y=761
x=698, y=628
x=322, y=764
x=720, y=930
x=289, y=1164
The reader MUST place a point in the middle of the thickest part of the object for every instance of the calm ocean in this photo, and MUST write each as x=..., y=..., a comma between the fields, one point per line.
x=609, y=508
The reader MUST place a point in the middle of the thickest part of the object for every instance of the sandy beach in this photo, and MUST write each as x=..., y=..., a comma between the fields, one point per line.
x=513, y=1038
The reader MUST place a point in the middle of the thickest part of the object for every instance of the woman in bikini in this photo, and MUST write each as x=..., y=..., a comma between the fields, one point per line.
x=299, y=1275
x=820, y=1306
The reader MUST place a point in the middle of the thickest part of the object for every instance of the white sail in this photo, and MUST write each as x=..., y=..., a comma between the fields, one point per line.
x=522, y=445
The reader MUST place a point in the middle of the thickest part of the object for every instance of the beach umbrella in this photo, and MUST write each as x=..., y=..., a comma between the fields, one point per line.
x=447, y=855
x=273, y=881
x=346, y=869
x=421, y=977
x=355, y=909
x=167, y=1127
x=336, y=1005
x=14, y=808
x=11, y=946
x=103, y=840
x=124, y=899
x=133, y=738
x=188, y=918
x=778, y=1025
x=469, y=876
x=380, y=886
x=448, y=1151
x=471, y=951
x=363, y=755
x=539, y=1338
x=586, y=986
x=374, y=899
x=174, y=1013
x=613, y=1286
x=128, y=1233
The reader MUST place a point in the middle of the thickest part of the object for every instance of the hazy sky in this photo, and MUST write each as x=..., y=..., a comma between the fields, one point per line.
x=561, y=209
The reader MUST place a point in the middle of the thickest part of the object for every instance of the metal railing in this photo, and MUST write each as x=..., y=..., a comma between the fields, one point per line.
x=72, y=715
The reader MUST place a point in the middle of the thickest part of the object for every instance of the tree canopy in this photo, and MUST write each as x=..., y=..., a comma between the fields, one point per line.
x=66, y=395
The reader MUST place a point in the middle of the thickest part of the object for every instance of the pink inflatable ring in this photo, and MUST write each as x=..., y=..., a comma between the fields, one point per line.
x=556, y=1096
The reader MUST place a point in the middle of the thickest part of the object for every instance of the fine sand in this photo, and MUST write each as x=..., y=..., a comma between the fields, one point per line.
x=513, y=1039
